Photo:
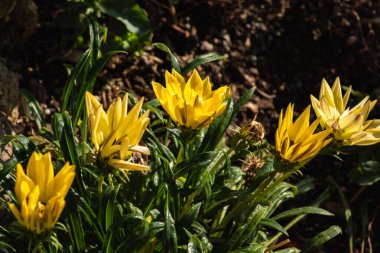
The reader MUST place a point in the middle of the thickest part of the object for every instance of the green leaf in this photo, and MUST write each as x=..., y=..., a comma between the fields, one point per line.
x=173, y=59
x=5, y=247
x=88, y=85
x=87, y=212
x=194, y=163
x=190, y=216
x=110, y=207
x=302, y=210
x=244, y=231
x=200, y=60
x=288, y=250
x=34, y=106
x=153, y=105
x=347, y=214
x=78, y=69
x=254, y=248
x=170, y=230
x=273, y=225
x=76, y=231
x=194, y=245
x=242, y=101
x=22, y=148
x=107, y=243
x=321, y=238
x=133, y=16
x=217, y=129
x=366, y=173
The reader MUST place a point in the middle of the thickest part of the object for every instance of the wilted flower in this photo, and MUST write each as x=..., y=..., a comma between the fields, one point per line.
x=350, y=126
x=116, y=133
x=191, y=104
x=296, y=142
x=41, y=195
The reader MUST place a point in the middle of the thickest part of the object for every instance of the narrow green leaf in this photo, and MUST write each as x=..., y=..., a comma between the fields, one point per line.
x=170, y=231
x=91, y=218
x=89, y=84
x=195, y=162
x=110, y=207
x=217, y=129
x=245, y=230
x=242, y=101
x=194, y=245
x=74, y=74
x=95, y=41
x=190, y=216
x=200, y=60
x=321, y=238
x=5, y=247
x=347, y=214
x=107, y=243
x=273, y=225
x=76, y=231
x=302, y=210
x=134, y=18
x=173, y=59
x=34, y=106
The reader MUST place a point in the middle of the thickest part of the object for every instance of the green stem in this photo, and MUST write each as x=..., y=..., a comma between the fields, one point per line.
x=37, y=245
x=100, y=184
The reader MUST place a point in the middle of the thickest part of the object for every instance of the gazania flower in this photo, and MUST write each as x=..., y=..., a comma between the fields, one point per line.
x=296, y=142
x=41, y=195
x=350, y=126
x=116, y=133
x=191, y=104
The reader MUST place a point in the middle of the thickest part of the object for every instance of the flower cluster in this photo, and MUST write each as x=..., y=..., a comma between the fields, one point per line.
x=296, y=142
x=41, y=196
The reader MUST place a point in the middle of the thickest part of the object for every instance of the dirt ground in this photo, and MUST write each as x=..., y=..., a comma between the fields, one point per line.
x=282, y=47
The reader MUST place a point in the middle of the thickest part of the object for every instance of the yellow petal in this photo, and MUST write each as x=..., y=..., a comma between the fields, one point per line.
x=64, y=179
x=24, y=185
x=125, y=165
x=300, y=125
x=16, y=213
x=337, y=92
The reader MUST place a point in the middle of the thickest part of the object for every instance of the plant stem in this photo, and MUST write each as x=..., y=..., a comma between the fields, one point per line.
x=100, y=183
x=37, y=245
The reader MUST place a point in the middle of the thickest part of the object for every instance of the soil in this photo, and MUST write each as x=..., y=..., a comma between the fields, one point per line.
x=282, y=47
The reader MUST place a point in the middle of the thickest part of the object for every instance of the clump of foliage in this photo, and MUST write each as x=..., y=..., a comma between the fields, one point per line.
x=150, y=181
x=128, y=23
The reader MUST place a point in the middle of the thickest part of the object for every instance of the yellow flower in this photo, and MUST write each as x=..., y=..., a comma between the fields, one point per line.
x=117, y=132
x=350, y=126
x=191, y=104
x=296, y=142
x=41, y=195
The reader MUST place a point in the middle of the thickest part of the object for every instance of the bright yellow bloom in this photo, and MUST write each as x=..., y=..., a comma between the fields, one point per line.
x=116, y=133
x=41, y=195
x=296, y=142
x=350, y=126
x=191, y=104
